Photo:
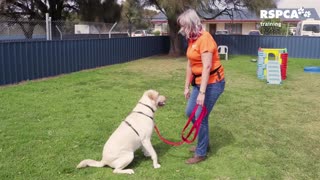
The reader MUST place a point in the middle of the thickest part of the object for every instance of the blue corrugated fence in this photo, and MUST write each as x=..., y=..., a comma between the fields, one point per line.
x=297, y=46
x=21, y=61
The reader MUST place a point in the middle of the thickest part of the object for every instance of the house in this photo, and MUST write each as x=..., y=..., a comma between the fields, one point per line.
x=160, y=23
x=244, y=21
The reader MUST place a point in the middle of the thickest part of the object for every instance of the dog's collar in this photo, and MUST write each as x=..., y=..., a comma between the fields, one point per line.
x=140, y=112
x=147, y=106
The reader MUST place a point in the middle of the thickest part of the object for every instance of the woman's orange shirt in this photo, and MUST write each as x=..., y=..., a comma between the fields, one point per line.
x=205, y=43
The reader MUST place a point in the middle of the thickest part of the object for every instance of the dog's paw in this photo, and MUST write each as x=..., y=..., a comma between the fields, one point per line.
x=82, y=164
x=123, y=171
x=156, y=166
x=130, y=171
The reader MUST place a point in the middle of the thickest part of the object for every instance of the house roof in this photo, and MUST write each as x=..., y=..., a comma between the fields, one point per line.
x=159, y=18
x=246, y=15
x=241, y=15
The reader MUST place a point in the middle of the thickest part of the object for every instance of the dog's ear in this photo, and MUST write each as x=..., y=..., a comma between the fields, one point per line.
x=153, y=95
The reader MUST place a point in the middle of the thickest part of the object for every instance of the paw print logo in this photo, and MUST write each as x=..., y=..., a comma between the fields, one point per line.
x=301, y=11
x=307, y=14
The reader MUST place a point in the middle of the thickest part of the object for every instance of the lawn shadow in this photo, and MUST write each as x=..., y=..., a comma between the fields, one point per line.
x=139, y=157
x=161, y=148
x=219, y=138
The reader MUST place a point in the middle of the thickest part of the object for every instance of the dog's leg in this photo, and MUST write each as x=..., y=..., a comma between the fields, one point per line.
x=145, y=152
x=90, y=163
x=122, y=162
x=149, y=148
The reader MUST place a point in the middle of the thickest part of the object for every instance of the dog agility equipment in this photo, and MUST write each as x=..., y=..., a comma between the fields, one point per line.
x=312, y=69
x=275, y=56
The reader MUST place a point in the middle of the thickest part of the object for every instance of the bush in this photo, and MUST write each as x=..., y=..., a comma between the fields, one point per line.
x=156, y=33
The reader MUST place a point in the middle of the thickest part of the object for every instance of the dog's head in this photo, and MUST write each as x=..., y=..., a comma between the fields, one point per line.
x=157, y=99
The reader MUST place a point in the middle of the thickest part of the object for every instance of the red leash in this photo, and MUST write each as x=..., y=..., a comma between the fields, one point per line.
x=195, y=128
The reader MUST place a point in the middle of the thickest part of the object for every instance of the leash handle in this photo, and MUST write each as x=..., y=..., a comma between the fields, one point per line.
x=195, y=127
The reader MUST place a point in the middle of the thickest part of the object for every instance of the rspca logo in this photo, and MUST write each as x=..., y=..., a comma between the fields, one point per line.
x=287, y=14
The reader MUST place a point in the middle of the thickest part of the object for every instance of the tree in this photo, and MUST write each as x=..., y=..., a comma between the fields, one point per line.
x=111, y=11
x=36, y=9
x=273, y=27
x=131, y=13
x=257, y=5
x=92, y=10
x=172, y=9
x=213, y=8
x=135, y=15
x=27, y=12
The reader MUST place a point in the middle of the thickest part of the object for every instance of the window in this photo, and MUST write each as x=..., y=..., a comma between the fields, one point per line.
x=312, y=27
x=234, y=28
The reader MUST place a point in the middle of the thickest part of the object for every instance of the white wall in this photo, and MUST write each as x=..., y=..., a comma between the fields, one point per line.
x=246, y=27
x=220, y=26
x=162, y=27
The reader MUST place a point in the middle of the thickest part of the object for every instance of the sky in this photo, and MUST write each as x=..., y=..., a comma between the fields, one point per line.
x=291, y=4
x=300, y=3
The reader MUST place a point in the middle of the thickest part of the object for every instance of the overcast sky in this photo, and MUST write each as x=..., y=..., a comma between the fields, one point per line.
x=291, y=4
x=300, y=3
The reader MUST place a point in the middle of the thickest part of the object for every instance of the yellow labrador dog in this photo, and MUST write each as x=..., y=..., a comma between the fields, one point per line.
x=134, y=132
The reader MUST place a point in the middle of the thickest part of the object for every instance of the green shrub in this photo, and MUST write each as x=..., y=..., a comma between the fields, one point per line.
x=156, y=33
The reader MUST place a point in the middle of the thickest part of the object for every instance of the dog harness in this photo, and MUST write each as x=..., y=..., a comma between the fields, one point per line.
x=142, y=114
x=132, y=127
x=147, y=106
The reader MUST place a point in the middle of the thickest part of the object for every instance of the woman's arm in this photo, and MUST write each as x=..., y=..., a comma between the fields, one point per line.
x=206, y=59
x=188, y=75
x=187, y=81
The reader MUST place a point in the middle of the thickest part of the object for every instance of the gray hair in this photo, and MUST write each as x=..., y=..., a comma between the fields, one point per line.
x=190, y=23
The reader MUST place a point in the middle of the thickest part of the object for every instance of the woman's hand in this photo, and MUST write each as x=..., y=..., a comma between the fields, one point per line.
x=187, y=93
x=200, y=99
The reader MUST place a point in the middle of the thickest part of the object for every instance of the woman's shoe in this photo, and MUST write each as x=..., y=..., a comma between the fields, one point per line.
x=195, y=159
x=193, y=149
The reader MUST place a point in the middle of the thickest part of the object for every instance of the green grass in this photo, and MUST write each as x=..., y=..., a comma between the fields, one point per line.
x=257, y=131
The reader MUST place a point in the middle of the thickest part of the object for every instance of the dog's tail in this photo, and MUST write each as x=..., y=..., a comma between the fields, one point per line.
x=90, y=163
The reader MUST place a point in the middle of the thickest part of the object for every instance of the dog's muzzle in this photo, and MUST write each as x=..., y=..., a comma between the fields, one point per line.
x=161, y=101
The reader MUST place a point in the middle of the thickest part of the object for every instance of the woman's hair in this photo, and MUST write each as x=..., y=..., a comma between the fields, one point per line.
x=190, y=24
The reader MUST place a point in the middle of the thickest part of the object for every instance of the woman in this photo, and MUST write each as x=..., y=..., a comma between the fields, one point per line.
x=205, y=72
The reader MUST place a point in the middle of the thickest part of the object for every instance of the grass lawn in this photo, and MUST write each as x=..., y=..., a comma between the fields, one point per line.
x=257, y=131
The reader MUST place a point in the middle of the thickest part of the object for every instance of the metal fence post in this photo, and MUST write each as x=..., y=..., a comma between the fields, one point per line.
x=47, y=26
x=114, y=25
x=59, y=32
x=50, y=29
